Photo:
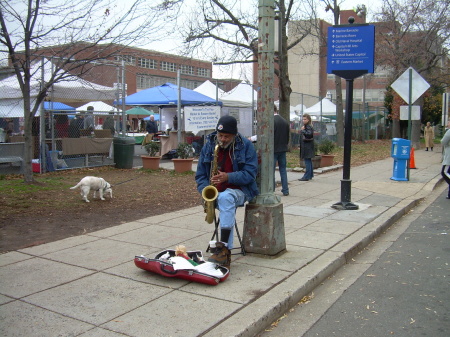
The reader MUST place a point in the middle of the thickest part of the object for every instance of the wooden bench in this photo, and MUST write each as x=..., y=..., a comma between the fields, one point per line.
x=12, y=153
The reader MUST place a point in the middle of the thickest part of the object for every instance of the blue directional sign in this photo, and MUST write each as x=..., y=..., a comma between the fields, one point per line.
x=351, y=48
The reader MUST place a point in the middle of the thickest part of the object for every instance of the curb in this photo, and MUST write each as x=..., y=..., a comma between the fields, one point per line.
x=247, y=321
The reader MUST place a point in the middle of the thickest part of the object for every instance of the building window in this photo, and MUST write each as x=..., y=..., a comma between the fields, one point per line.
x=189, y=84
x=168, y=66
x=146, y=63
x=188, y=70
x=127, y=58
x=149, y=81
x=203, y=72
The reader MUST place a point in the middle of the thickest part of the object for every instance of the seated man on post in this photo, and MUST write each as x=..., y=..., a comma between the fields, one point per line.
x=235, y=179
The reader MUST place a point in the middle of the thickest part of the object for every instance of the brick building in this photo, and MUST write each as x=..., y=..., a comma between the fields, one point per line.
x=143, y=68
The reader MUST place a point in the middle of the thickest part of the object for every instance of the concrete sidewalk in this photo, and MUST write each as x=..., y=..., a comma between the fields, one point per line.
x=89, y=286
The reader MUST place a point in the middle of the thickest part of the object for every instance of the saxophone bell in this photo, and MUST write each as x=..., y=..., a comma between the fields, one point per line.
x=210, y=193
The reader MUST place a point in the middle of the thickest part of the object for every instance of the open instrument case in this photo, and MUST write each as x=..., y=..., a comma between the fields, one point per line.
x=162, y=265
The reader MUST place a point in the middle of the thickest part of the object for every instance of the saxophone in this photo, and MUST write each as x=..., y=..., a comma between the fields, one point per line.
x=210, y=192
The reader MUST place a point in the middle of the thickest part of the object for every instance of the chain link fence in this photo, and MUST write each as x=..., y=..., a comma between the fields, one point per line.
x=78, y=122
x=369, y=121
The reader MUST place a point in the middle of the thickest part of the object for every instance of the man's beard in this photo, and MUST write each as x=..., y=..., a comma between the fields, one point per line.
x=223, y=145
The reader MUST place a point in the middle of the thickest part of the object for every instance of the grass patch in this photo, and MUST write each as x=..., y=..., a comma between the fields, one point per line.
x=362, y=153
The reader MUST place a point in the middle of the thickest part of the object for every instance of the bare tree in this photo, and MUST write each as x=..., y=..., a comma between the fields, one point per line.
x=334, y=6
x=78, y=33
x=228, y=31
x=414, y=33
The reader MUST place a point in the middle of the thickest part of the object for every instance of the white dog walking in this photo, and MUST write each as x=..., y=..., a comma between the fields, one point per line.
x=94, y=183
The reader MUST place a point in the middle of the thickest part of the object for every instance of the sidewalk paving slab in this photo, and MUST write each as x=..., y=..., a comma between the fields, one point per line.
x=89, y=286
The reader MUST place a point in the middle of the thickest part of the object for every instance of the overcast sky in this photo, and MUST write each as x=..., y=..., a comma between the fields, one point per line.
x=172, y=43
x=238, y=71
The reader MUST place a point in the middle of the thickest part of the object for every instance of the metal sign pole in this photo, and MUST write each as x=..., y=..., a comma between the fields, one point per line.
x=409, y=120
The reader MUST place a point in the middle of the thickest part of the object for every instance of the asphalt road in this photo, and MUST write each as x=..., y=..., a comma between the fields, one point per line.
x=398, y=286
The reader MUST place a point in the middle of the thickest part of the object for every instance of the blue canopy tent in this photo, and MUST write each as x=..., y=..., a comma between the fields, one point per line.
x=167, y=95
x=57, y=106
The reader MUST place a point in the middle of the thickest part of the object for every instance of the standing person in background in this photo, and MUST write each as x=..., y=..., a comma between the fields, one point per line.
x=76, y=124
x=152, y=127
x=428, y=133
x=445, y=142
x=175, y=123
x=109, y=123
x=307, y=147
x=280, y=147
x=62, y=126
x=89, y=119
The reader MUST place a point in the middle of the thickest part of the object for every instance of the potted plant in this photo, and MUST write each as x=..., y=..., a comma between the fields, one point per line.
x=151, y=161
x=326, y=147
x=185, y=154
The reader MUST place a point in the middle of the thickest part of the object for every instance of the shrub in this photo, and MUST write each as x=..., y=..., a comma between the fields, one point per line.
x=152, y=148
x=185, y=150
x=326, y=146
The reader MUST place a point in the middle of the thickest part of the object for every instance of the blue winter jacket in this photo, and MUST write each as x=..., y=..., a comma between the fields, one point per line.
x=245, y=165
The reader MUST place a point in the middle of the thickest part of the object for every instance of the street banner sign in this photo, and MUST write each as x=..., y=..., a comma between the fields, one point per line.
x=351, y=48
x=418, y=85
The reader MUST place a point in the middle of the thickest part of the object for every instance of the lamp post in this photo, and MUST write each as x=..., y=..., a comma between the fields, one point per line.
x=264, y=224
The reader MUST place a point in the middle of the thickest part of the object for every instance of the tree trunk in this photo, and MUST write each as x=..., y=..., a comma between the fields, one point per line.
x=396, y=128
x=283, y=77
x=29, y=144
x=415, y=134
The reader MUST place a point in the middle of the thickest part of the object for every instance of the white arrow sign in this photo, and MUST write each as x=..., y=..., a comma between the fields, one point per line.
x=418, y=87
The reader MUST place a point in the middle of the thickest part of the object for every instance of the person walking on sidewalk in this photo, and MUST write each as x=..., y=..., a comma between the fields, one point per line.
x=235, y=179
x=307, y=147
x=428, y=133
x=445, y=142
x=281, y=132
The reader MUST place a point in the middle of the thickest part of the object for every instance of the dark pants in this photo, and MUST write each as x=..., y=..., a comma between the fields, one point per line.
x=309, y=172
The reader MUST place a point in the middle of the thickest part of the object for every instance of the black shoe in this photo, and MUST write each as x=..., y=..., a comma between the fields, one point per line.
x=303, y=179
x=285, y=194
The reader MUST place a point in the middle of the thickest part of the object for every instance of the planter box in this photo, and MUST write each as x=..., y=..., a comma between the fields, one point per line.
x=327, y=160
x=182, y=165
x=150, y=163
x=315, y=162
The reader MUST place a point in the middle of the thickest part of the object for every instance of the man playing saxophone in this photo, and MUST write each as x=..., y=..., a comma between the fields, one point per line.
x=235, y=179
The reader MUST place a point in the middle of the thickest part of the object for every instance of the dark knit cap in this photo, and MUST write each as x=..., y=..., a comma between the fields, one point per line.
x=227, y=124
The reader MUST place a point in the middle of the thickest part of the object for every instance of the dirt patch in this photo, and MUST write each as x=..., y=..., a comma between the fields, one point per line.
x=50, y=211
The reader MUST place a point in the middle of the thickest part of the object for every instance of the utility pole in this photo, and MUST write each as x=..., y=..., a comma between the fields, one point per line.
x=264, y=223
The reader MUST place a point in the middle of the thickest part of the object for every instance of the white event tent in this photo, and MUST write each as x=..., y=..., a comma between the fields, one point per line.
x=99, y=106
x=71, y=89
x=241, y=96
x=209, y=89
x=294, y=111
x=324, y=107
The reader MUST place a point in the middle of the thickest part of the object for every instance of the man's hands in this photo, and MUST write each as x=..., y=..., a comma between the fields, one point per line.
x=219, y=178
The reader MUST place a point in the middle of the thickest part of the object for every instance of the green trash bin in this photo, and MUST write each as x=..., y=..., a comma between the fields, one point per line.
x=124, y=152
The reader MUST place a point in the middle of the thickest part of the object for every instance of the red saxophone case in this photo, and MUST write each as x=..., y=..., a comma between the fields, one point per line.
x=163, y=266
